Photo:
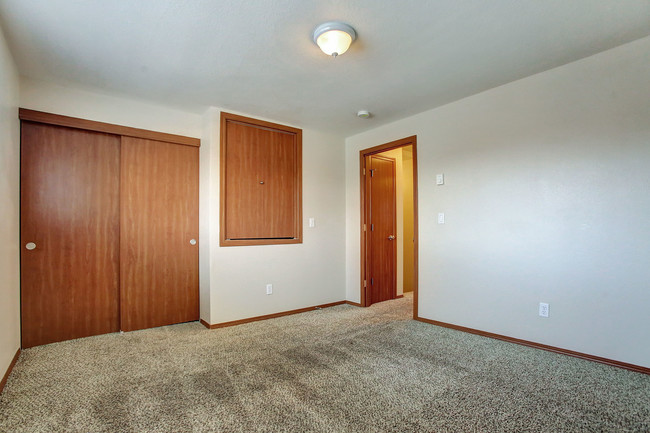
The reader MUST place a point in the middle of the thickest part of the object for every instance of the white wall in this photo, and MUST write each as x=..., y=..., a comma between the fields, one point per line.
x=547, y=199
x=9, y=209
x=302, y=275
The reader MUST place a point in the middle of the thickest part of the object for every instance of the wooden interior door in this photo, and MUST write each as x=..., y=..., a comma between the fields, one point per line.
x=382, y=246
x=158, y=233
x=70, y=186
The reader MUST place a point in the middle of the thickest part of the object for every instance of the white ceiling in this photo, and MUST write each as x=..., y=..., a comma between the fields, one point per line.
x=257, y=56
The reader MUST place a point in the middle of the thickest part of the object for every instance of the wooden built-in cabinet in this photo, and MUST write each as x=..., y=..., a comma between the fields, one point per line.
x=261, y=182
x=109, y=228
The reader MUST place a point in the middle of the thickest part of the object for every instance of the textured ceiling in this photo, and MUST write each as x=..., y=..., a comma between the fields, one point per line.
x=257, y=56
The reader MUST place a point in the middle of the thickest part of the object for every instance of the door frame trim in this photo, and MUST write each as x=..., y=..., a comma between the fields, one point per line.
x=412, y=140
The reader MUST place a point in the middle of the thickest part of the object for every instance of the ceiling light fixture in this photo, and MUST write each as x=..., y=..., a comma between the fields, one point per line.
x=334, y=37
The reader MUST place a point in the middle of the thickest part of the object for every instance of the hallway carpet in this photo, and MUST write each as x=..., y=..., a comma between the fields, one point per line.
x=340, y=369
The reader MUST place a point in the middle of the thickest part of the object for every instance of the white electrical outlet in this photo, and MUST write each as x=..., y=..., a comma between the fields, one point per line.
x=543, y=309
x=441, y=218
x=269, y=289
x=440, y=179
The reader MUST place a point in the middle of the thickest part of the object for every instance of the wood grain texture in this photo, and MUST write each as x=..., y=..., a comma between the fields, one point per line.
x=5, y=378
x=594, y=358
x=70, y=188
x=91, y=125
x=382, y=255
x=158, y=218
x=261, y=182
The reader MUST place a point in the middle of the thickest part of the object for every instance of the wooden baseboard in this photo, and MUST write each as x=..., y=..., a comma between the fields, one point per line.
x=614, y=363
x=11, y=367
x=269, y=316
x=354, y=304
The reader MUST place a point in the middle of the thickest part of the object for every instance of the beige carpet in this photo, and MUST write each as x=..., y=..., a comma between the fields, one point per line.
x=341, y=369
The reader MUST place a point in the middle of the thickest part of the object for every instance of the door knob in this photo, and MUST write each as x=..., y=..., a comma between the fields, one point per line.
x=192, y=241
x=30, y=246
x=391, y=237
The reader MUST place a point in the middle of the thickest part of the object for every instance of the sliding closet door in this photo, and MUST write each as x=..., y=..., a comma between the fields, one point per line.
x=158, y=233
x=70, y=186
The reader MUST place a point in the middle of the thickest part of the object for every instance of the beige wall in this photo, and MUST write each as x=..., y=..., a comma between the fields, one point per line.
x=546, y=200
x=9, y=209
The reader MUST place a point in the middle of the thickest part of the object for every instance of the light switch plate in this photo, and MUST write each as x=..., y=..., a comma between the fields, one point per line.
x=543, y=309
x=441, y=218
x=440, y=179
x=312, y=222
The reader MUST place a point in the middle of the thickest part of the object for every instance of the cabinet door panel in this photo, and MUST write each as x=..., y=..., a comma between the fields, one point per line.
x=70, y=211
x=261, y=182
x=158, y=219
x=280, y=198
x=246, y=180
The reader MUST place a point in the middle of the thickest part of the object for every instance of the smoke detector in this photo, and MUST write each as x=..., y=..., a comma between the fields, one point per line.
x=363, y=114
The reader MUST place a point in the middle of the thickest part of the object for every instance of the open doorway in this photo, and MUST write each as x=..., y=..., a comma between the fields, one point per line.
x=389, y=253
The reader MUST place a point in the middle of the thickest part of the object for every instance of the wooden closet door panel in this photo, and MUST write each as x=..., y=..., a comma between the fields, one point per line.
x=158, y=219
x=281, y=193
x=70, y=210
x=244, y=176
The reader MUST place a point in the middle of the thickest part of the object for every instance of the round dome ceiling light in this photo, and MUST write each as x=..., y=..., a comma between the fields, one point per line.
x=334, y=38
x=364, y=114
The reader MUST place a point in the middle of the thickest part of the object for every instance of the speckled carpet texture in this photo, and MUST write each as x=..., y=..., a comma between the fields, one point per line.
x=340, y=369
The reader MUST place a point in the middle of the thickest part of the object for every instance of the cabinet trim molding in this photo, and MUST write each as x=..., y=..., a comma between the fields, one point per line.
x=109, y=128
